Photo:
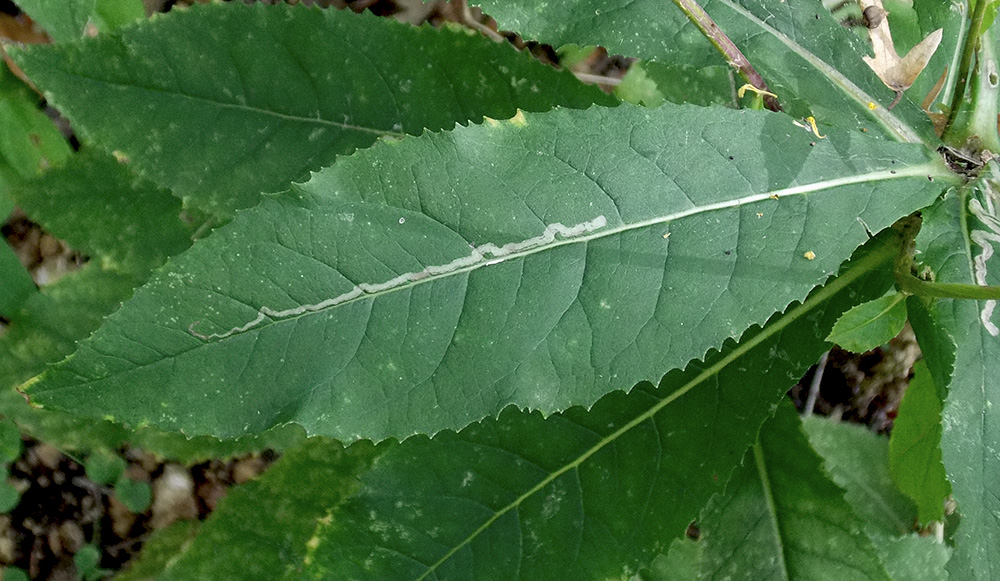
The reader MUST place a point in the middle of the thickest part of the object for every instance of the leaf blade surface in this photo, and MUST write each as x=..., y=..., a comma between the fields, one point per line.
x=802, y=52
x=226, y=101
x=957, y=240
x=580, y=494
x=391, y=281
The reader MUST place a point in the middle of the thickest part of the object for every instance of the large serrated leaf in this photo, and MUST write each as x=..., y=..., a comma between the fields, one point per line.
x=577, y=495
x=561, y=256
x=957, y=241
x=225, y=101
x=781, y=517
x=858, y=461
x=803, y=53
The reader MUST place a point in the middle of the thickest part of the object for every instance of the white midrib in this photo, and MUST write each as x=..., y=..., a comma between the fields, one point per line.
x=590, y=230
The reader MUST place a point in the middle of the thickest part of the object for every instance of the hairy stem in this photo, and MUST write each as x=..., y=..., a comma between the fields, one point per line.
x=723, y=44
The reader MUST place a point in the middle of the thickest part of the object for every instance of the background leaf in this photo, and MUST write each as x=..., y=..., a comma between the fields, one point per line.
x=970, y=440
x=67, y=20
x=858, y=461
x=563, y=315
x=802, y=52
x=577, y=495
x=782, y=518
x=915, y=447
x=222, y=102
x=100, y=208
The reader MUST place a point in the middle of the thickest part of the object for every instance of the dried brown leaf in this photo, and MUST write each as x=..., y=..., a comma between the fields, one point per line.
x=898, y=73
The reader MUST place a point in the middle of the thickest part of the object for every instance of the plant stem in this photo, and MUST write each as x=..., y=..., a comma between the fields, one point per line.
x=946, y=290
x=723, y=44
x=965, y=64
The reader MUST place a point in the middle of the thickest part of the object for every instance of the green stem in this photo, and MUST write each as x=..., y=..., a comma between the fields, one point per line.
x=946, y=290
x=724, y=45
x=965, y=65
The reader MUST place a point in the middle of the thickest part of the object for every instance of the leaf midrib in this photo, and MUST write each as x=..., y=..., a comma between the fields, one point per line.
x=925, y=169
x=929, y=168
x=224, y=104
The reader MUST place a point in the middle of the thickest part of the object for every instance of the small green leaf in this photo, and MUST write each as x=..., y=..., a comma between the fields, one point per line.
x=67, y=20
x=16, y=285
x=100, y=208
x=915, y=447
x=682, y=562
x=301, y=491
x=858, y=461
x=87, y=559
x=874, y=323
x=9, y=496
x=104, y=467
x=10, y=441
x=50, y=322
x=14, y=574
x=136, y=496
x=637, y=87
x=30, y=141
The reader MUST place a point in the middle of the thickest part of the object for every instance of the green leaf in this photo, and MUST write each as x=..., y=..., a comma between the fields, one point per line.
x=9, y=496
x=914, y=557
x=136, y=496
x=936, y=345
x=10, y=442
x=546, y=254
x=272, y=92
x=100, y=208
x=30, y=142
x=16, y=284
x=48, y=325
x=874, y=323
x=162, y=548
x=104, y=467
x=64, y=20
x=811, y=62
x=67, y=20
x=298, y=494
x=682, y=562
x=782, y=518
x=711, y=85
x=637, y=87
x=858, y=462
x=14, y=574
x=957, y=241
x=915, y=447
x=578, y=495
